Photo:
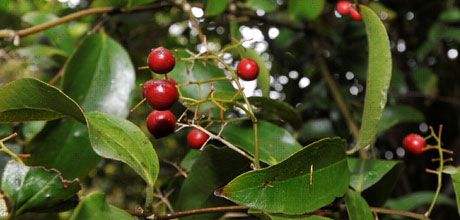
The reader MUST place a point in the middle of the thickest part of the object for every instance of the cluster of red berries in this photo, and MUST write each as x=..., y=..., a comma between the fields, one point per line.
x=414, y=143
x=345, y=7
x=161, y=94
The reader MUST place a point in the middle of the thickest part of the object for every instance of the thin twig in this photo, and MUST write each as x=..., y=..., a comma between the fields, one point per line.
x=398, y=212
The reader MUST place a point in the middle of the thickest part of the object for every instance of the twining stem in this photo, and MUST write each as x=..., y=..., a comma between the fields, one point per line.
x=5, y=149
x=203, y=81
x=439, y=171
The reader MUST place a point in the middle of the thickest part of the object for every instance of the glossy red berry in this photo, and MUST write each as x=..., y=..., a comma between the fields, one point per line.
x=355, y=14
x=344, y=7
x=248, y=69
x=161, y=60
x=196, y=138
x=160, y=93
x=414, y=143
x=161, y=123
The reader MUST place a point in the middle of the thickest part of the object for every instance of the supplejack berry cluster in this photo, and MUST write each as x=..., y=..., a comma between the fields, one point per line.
x=162, y=94
x=345, y=8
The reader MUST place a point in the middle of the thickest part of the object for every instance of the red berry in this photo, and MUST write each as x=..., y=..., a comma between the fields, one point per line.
x=414, y=143
x=172, y=81
x=344, y=7
x=161, y=123
x=160, y=93
x=196, y=138
x=355, y=15
x=161, y=60
x=248, y=69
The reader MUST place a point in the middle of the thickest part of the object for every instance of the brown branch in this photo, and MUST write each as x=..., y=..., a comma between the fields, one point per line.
x=187, y=213
x=186, y=7
x=399, y=212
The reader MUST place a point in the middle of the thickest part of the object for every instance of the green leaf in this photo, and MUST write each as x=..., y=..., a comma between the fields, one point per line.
x=217, y=166
x=100, y=77
x=357, y=207
x=37, y=189
x=378, y=78
x=393, y=115
x=266, y=5
x=316, y=129
x=275, y=143
x=215, y=7
x=306, y=9
x=263, y=79
x=222, y=89
x=119, y=139
x=456, y=182
x=426, y=80
x=414, y=200
x=289, y=187
x=38, y=50
x=450, y=15
x=365, y=173
x=29, y=99
x=94, y=207
x=58, y=35
x=449, y=169
x=282, y=109
x=190, y=159
x=278, y=216
x=134, y=3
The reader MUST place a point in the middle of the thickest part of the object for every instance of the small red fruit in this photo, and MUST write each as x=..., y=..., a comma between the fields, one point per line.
x=161, y=123
x=414, y=143
x=248, y=69
x=344, y=7
x=197, y=138
x=161, y=60
x=160, y=93
x=355, y=14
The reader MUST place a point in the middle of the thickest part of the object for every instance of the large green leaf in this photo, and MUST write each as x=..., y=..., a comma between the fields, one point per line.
x=266, y=5
x=414, y=200
x=29, y=99
x=37, y=189
x=357, y=207
x=282, y=109
x=378, y=78
x=263, y=79
x=190, y=159
x=365, y=173
x=215, y=7
x=222, y=89
x=275, y=143
x=306, y=9
x=213, y=169
x=100, y=77
x=94, y=207
x=456, y=182
x=58, y=35
x=289, y=187
x=116, y=138
x=393, y=115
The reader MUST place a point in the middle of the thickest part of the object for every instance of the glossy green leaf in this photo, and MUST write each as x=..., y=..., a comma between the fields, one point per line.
x=366, y=172
x=217, y=166
x=94, y=207
x=456, y=183
x=58, y=35
x=282, y=109
x=190, y=159
x=37, y=189
x=450, y=15
x=426, y=81
x=289, y=187
x=215, y=7
x=393, y=115
x=119, y=139
x=378, y=193
x=357, y=207
x=378, y=78
x=263, y=79
x=414, y=200
x=275, y=143
x=316, y=129
x=266, y=5
x=306, y=9
x=222, y=89
x=31, y=129
x=29, y=99
x=100, y=77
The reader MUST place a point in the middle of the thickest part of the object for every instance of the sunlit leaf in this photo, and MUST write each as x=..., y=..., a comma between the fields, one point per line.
x=215, y=7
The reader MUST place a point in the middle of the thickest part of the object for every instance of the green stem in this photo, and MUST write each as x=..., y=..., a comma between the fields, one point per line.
x=11, y=153
x=439, y=172
x=149, y=196
x=398, y=212
x=202, y=81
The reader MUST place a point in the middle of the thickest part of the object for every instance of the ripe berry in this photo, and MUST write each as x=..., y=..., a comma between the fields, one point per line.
x=160, y=93
x=414, y=143
x=161, y=123
x=161, y=60
x=248, y=69
x=196, y=138
x=344, y=7
x=355, y=14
